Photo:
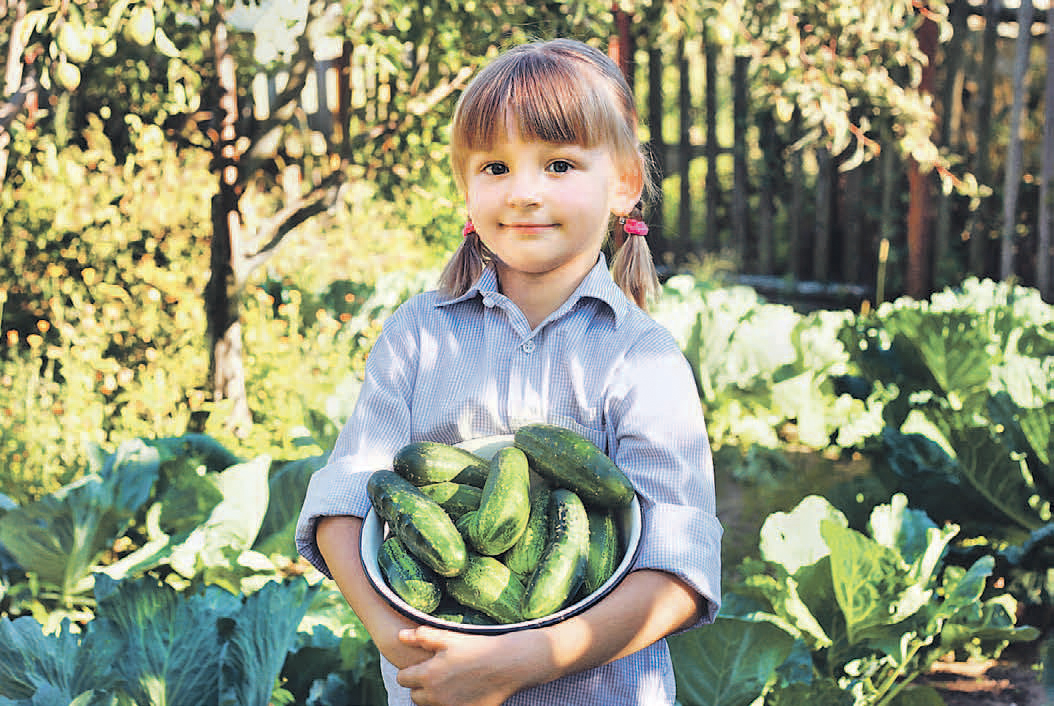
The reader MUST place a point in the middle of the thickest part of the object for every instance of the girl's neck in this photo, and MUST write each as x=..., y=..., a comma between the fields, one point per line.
x=537, y=296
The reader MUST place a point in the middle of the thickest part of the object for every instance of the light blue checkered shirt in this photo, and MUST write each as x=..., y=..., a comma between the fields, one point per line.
x=454, y=369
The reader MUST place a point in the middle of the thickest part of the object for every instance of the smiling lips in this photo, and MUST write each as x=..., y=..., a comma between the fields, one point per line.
x=527, y=227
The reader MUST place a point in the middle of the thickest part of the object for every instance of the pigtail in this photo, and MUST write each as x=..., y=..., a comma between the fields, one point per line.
x=633, y=268
x=465, y=266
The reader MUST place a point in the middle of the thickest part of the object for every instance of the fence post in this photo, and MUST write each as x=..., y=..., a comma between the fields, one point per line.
x=917, y=281
x=948, y=133
x=1012, y=183
x=1044, y=253
x=711, y=238
x=741, y=189
x=657, y=145
x=684, y=99
x=982, y=162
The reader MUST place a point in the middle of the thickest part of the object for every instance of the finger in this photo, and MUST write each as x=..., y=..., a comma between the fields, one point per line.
x=424, y=638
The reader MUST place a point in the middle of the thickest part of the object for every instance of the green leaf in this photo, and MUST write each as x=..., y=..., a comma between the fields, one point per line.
x=794, y=539
x=1000, y=475
x=61, y=535
x=170, y=643
x=870, y=581
x=288, y=485
x=233, y=524
x=728, y=663
x=264, y=632
x=49, y=668
x=960, y=589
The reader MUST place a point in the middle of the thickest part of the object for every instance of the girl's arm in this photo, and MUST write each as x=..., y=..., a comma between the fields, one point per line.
x=338, y=542
x=485, y=670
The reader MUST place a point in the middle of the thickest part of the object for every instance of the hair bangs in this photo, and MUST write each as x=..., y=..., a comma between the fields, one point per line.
x=544, y=95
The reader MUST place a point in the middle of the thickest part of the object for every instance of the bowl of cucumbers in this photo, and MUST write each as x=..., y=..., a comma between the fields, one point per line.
x=500, y=533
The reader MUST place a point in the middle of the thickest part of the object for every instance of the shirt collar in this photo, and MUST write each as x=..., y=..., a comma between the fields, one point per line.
x=598, y=284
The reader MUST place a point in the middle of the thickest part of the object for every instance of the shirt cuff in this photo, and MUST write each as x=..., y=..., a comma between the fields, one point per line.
x=686, y=542
x=333, y=490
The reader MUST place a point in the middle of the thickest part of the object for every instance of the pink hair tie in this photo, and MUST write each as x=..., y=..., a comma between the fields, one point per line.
x=635, y=227
x=468, y=229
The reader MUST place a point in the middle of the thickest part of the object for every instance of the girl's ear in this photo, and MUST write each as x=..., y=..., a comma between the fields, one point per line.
x=628, y=187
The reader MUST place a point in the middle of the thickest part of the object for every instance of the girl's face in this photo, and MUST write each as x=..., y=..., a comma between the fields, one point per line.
x=542, y=209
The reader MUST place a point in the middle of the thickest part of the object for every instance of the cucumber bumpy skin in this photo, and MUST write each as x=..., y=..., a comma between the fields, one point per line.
x=568, y=460
x=525, y=554
x=423, y=462
x=505, y=505
x=411, y=580
x=424, y=528
x=488, y=586
x=455, y=498
x=560, y=570
x=603, y=555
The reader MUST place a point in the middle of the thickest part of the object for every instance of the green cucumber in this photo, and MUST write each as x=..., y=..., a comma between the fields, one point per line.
x=411, y=580
x=505, y=505
x=453, y=612
x=562, y=566
x=488, y=586
x=424, y=462
x=455, y=498
x=568, y=460
x=462, y=524
x=603, y=554
x=524, y=555
x=424, y=528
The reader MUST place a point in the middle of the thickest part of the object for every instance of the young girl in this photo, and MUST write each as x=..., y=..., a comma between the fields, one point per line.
x=529, y=325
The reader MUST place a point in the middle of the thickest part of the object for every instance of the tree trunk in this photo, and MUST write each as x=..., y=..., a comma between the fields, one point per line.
x=979, y=227
x=657, y=145
x=1012, y=181
x=621, y=46
x=821, y=245
x=684, y=203
x=918, y=280
x=221, y=294
x=944, y=267
x=796, y=245
x=741, y=190
x=711, y=238
x=1044, y=251
x=12, y=80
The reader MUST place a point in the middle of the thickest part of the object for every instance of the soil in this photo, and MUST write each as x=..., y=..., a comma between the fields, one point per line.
x=1012, y=680
x=987, y=683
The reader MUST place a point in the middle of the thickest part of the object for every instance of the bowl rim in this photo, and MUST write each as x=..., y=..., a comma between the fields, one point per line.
x=372, y=534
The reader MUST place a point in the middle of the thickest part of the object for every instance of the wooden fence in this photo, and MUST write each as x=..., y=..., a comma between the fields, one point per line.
x=793, y=223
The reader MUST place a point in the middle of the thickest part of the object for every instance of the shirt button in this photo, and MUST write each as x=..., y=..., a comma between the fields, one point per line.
x=527, y=347
x=488, y=302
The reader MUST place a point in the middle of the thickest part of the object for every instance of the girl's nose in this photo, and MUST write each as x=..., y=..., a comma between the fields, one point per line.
x=524, y=191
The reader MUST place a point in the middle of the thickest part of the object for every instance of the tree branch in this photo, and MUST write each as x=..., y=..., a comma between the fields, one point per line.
x=11, y=107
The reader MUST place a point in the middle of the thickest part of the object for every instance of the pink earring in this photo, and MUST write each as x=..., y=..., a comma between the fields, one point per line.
x=468, y=229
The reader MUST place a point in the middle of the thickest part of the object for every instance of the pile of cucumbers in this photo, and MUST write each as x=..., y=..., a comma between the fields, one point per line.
x=472, y=541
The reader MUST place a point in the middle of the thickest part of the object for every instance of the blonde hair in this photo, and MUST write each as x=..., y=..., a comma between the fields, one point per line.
x=560, y=91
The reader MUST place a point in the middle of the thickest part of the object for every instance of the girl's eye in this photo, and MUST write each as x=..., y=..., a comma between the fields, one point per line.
x=495, y=169
x=560, y=166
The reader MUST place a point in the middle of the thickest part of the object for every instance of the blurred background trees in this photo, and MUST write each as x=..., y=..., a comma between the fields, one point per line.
x=164, y=152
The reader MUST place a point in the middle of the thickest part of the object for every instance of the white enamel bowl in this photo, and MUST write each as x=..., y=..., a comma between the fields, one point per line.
x=374, y=531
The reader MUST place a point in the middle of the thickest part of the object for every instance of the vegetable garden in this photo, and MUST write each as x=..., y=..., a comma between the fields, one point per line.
x=896, y=460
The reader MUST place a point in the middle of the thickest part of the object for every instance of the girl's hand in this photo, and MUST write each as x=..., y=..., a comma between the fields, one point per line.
x=466, y=670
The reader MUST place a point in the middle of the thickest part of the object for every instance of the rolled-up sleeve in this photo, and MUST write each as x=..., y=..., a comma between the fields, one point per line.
x=378, y=426
x=659, y=439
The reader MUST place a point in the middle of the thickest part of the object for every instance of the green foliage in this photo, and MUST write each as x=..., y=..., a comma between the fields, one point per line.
x=763, y=369
x=150, y=645
x=873, y=609
x=100, y=333
x=969, y=404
